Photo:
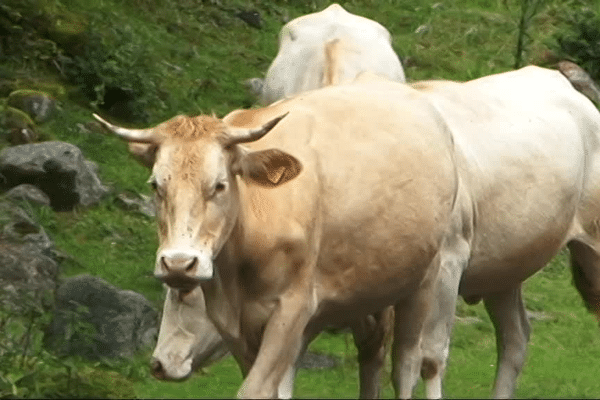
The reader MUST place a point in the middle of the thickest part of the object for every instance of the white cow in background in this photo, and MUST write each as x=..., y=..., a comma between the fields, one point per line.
x=327, y=48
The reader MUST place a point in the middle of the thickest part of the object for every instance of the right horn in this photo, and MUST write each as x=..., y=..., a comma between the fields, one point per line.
x=131, y=135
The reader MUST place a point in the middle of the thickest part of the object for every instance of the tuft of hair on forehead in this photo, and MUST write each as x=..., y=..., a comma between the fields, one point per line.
x=191, y=128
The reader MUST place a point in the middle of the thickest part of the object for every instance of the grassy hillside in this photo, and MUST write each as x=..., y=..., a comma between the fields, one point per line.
x=143, y=61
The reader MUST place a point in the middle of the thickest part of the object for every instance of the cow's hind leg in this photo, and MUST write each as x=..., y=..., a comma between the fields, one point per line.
x=409, y=321
x=585, y=265
x=507, y=312
x=438, y=328
x=370, y=337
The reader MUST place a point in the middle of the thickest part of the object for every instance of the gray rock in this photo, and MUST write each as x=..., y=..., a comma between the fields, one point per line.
x=311, y=360
x=58, y=168
x=538, y=316
x=29, y=193
x=141, y=203
x=468, y=320
x=28, y=267
x=251, y=17
x=121, y=321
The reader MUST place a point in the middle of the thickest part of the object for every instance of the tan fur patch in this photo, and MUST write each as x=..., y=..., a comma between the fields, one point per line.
x=332, y=56
x=191, y=128
x=244, y=118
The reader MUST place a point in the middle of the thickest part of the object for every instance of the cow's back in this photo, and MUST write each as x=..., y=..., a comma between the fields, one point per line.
x=329, y=47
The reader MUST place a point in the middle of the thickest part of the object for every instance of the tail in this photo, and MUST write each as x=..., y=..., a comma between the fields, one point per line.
x=580, y=80
x=331, y=72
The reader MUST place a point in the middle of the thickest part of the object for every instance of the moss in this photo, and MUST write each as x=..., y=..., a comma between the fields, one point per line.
x=14, y=118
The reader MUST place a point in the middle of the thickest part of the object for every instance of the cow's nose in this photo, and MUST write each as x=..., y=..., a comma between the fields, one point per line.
x=179, y=263
x=157, y=370
x=183, y=269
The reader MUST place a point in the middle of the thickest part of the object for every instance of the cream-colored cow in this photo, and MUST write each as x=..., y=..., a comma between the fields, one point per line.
x=320, y=49
x=359, y=197
x=325, y=48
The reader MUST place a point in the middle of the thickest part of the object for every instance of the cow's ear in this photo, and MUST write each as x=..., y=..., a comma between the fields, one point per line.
x=145, y=153
x=268, y=168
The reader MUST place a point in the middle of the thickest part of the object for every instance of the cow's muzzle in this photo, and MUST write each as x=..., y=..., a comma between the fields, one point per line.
x=183, y=270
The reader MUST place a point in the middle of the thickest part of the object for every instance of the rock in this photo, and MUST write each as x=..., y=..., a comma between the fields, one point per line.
x=15, y=118
x=58, y=168
x=311, y=360
x=38, y=105
x=28, y=268
x=538, y=316
x=254, y=86
x=251, y=17
x=422, y=29
x=22, y=136
x=123, y=321
x=468, y=320
x=19, y=125
x=29, y=193
x=141, y=203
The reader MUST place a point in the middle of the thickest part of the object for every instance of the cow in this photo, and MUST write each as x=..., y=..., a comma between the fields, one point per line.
x=360, y=197
x=326, y=48
x=342, y=45
x=187, y=340
x=307, y=236
x=487, y=276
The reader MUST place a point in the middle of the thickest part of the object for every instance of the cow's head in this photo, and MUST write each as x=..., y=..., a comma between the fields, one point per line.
x=195, y=161
x=187, y=339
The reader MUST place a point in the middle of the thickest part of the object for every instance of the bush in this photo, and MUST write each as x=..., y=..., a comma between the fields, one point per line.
x=580, y=42
x=114, y=71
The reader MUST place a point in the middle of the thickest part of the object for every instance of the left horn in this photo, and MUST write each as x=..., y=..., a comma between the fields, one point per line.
x=131, y=135
x=240, y=135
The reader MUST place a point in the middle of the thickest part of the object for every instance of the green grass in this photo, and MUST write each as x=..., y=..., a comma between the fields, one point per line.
x=196, y=55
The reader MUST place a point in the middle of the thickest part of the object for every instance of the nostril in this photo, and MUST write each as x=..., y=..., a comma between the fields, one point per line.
x=156, y=368
x=191, y=265
x=163, y=261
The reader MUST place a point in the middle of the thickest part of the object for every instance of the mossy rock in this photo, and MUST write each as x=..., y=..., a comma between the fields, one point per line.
x=16, y=127
x=39, y=105
x=54, y=89
x=11, y=117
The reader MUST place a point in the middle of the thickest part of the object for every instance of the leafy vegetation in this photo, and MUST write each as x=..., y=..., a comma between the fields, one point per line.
x=143, y=61
x=580, y=42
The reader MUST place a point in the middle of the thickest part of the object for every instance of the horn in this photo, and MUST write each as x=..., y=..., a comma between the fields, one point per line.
x=241, y=135
x=131, y=135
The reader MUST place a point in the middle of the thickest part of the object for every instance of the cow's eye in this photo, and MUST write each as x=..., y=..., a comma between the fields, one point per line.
x=220, y=187
x=153, y=184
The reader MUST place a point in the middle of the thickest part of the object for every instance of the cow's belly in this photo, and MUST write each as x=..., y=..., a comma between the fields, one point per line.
x=508, y=249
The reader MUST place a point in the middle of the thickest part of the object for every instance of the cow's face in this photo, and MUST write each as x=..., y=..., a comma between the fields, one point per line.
x=194, y=163
x=187, y=340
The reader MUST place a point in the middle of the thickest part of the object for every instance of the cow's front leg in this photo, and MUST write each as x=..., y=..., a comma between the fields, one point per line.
x=281, y=345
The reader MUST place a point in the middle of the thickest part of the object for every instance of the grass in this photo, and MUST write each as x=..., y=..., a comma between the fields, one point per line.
x=196, y=54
